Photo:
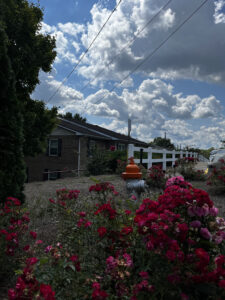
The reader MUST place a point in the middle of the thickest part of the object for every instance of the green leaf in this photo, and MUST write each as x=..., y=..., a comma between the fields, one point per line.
x=43, y=260
x=18, y=272
x=72, y=267
x=95, y=180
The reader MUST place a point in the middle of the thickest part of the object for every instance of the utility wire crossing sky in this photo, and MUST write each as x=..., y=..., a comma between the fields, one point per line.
x=160, y=63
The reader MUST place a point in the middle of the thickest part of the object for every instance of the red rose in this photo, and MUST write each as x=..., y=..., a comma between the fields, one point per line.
x=102, y=231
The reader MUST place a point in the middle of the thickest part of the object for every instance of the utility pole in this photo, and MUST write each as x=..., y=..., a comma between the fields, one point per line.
x=129, y=127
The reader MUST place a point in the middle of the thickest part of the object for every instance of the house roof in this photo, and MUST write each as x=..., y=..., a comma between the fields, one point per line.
x=95, y=131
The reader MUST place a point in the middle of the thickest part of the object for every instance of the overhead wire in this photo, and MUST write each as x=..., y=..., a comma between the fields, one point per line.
x=128, y=44
x=155, y=50
x=84, y=53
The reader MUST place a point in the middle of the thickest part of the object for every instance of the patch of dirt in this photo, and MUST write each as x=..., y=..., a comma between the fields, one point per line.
x=47, y=189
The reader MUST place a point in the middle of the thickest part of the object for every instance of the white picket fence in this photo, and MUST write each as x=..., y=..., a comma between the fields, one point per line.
x=149, y=160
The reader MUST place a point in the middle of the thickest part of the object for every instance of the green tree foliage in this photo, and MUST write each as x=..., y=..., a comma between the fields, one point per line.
x=24, y=52
x=162, y=142
x=206, y=152
x=76, y=117
x=38, y=122
x=12, y=170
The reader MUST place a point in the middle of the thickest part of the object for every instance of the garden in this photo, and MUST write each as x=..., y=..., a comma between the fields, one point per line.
x=87, y=239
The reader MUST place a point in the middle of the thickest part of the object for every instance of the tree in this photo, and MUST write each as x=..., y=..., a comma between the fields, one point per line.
x=38, y=122
x=12, y=170
x=76, y=117
x=24, y=123
x=162, y=142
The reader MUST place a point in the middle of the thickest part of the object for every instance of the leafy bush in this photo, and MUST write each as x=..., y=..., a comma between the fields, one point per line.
x=116, y=159
x=121, y=166
x=172, y=248
x=103, y=162
x=98, y=163
x=186, y=167
x=156, y=177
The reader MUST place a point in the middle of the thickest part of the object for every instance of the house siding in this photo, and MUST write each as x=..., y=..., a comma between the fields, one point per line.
x=68, y=160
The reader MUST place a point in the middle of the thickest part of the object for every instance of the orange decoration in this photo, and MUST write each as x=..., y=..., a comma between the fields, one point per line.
x=132, y=171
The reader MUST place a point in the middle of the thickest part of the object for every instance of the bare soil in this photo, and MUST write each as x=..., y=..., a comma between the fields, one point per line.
x=38, y=193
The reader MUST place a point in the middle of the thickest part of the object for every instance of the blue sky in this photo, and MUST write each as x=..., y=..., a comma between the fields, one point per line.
x=180, y=90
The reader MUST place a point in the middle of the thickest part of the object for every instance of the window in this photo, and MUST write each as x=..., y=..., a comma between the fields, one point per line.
x=121, y=147
x=53, y=147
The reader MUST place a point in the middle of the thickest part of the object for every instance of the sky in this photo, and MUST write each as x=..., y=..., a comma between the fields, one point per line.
x=174, y=86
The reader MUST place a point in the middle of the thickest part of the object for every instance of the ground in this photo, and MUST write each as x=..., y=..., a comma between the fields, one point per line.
x=38, y=193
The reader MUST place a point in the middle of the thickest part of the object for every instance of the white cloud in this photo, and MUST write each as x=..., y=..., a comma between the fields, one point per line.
x=219, y=15
x=195, y=52
x=71, y=28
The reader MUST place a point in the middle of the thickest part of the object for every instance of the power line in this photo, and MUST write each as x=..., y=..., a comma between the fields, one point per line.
x=83, y=55
x=128, y=44
x=155, y=50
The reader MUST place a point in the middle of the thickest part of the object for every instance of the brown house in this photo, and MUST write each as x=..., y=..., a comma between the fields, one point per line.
x=69, y=147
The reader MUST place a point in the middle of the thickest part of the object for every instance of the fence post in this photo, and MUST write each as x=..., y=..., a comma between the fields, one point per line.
x=164, y=159
x=130, y=150
x=173, y=158
x=149, y=157
x=181, y=154
x=141, y=156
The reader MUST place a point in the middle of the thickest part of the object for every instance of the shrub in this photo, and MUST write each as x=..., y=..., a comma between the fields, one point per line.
x=171, y=248
x=186, y=167
x=103, y=162
x=98, y=163
x=156, y=177
x=116, y=159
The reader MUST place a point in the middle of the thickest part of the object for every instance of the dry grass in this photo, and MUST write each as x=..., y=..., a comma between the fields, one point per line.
x=43, y=220
x=45, y=223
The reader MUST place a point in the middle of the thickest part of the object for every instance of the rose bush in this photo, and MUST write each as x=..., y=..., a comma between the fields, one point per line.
x=186, y=167
x=156, y=177
x=169, y=248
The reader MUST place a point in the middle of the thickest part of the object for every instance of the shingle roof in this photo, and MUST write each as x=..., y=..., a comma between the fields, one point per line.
x=97, y=132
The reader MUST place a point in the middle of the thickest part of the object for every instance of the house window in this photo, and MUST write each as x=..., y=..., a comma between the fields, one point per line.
x=121, y=147
x=53, y=147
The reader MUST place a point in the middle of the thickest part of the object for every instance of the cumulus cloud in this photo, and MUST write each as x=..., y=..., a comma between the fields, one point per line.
x=71, y=28
x=153, y=100
x=187, y=55
x=195, y=52
x=66, y=96
x=219, y=15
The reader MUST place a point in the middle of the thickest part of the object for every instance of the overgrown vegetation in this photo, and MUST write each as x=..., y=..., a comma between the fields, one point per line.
x=25, y=123
x=186, y=167
x=168, y=248
x=106, y=161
